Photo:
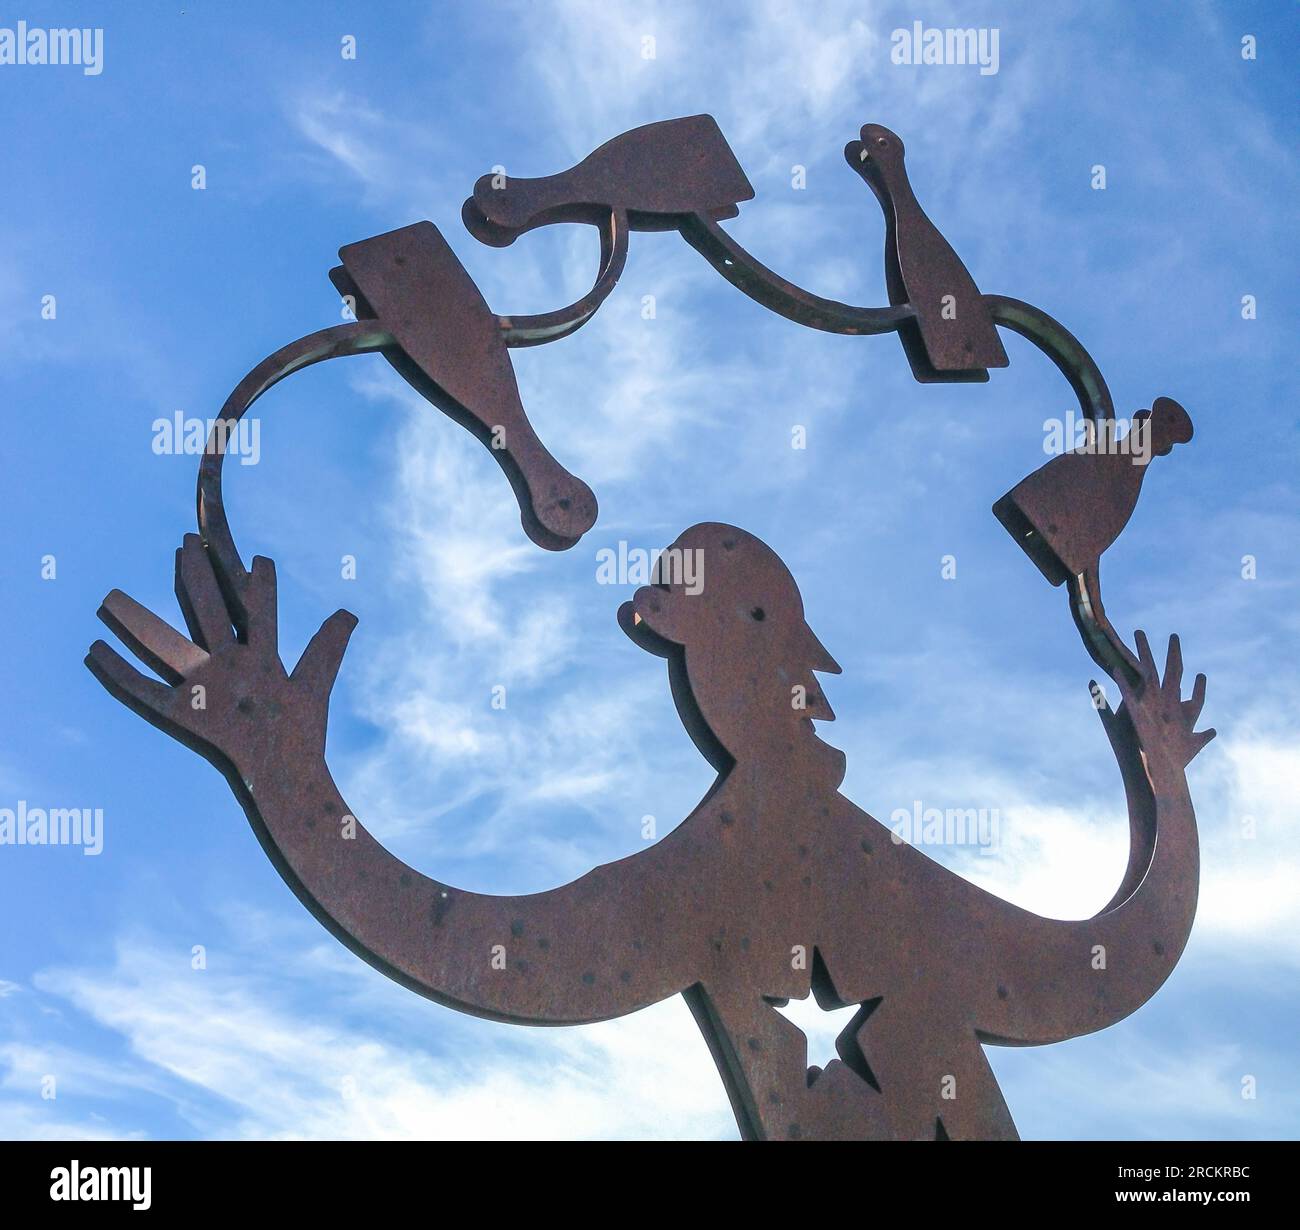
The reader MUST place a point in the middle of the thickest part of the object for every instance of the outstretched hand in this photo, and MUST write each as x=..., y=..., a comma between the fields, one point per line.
x=1162, y=720
x=226, y=693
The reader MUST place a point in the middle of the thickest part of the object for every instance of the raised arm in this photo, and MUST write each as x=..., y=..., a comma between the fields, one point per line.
x=1047, y=980
x=584, y=952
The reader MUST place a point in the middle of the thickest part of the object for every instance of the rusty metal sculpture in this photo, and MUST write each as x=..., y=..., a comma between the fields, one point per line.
x=776, y=886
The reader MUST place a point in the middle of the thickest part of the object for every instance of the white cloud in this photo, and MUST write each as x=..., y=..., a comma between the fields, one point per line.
x=1140, y=1086
x=1249, y=905
x=387, y=157
x=1065, y=861
x=236, y=1057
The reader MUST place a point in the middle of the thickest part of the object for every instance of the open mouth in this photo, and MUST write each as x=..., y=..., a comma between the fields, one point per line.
x=483, y=228
x=638, y=631
x=867, y=162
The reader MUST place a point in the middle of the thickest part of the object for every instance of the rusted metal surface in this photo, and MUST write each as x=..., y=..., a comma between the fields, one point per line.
x=553, y=325
x=450, y=348
x=1064, y=515
x=656, y=175
x=776, y=886
x=951, y=336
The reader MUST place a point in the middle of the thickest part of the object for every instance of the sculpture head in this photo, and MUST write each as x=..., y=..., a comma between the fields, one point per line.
x=727, y=614
x=878, y=157
x=1168, y=424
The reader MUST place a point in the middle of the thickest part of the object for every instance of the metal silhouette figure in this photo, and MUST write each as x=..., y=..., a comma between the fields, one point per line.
x=776, y=886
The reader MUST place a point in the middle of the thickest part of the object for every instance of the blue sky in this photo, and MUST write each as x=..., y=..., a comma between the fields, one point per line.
x=961, y=693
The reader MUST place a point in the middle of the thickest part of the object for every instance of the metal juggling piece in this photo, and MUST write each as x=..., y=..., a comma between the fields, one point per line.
x=776, y=886
x=1043, y=514
x=952, y=336
x=655, y=175
x=1065, y=514
x=450, y=348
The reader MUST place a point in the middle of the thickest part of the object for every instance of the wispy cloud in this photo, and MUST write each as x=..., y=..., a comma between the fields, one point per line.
x=1155, y=1089
x=235, y=1054
x=352, y=145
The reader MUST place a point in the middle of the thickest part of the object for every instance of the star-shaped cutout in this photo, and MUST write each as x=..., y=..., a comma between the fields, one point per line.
x=830, y=1033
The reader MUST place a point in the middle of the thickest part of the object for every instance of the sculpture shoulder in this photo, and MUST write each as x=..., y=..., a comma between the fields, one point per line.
x=893, y=860
x=692, y=842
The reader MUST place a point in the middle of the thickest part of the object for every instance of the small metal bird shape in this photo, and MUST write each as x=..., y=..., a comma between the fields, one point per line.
x=1066, y=513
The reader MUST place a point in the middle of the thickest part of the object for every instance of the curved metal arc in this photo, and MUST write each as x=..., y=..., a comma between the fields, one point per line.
x=1065, y=350
x=337, y=341
x=784, y=298
x=1104, y=644
x=551, y=326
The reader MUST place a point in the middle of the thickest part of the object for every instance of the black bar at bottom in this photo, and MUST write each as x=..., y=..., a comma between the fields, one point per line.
x=339, y=1179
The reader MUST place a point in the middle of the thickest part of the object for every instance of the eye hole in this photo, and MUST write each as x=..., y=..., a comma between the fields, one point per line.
x=758, y=614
